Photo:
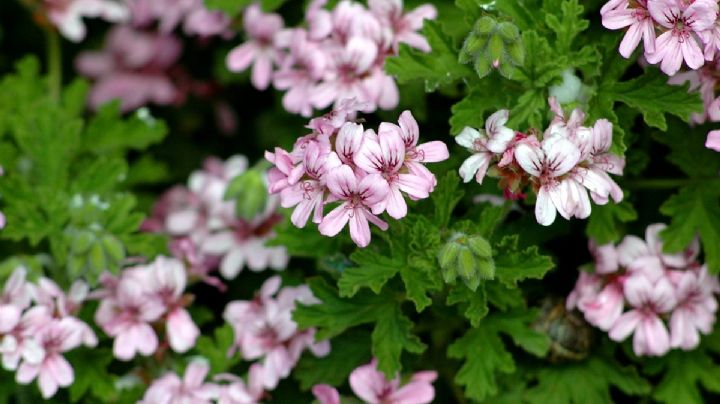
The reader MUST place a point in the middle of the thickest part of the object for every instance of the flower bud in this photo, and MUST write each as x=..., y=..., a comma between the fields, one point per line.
x=466, y=257
x=249, y=192
x=485, y=25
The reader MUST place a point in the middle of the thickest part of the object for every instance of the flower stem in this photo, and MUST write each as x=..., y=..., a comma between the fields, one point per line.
x=54, y=63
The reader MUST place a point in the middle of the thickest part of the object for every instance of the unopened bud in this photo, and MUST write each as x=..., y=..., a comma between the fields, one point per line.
x=466, y=257
x=249, y=192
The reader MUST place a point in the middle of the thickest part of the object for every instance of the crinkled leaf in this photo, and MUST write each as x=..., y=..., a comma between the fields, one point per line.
x=513, y=264
x=474, y=304
x=392, y=335
x=606, y=222
x=372, y=271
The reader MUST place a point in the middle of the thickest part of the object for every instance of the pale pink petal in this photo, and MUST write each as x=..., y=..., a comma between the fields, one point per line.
x=432, y=152
x=545, y=211
x=241, y=57
x=367, y=383
x=624, y=326
x=181, y=330
x=713, y=140
x=326, y=394
x=334, y=221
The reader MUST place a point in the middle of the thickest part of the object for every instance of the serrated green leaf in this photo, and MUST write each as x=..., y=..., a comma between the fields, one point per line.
x=513, y=264
x=654, y=98
x=108, y=133
x=92, y=378
x=440, y=66
x=392, y=335
x=567, y=24
x=606, y=222
x=215, y=349
x=474, y=304
x=372, y=271
x=445, y=197
x=588, y=381
x=694, y=211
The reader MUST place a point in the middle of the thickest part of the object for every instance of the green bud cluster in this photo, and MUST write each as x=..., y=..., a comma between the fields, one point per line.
x=468, y=257
x=492, y=44
x=92, y=252
x=249, y=192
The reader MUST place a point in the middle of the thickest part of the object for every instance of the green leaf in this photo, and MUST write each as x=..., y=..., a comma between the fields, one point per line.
x=606, y=222
x=566, y=25
x=215, y=349
x=584, y=382
x=438, y=67
x=229, y=7
x=91, y=375
x=392, y=335
x=513, y=265
x=446, y=196
x=651, y=95
x=688, y=151
x=348, y=352
x=515, y=325
x=474, y=304
x=372, y=271
x=470, y=111
x=108, y=133
x=529, y=110
x=306, y=242
x=694, y=211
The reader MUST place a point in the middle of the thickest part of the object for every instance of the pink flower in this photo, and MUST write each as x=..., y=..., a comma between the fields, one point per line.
x=326, y=394
x=594, y=176
x=264, y=329
x=192, y=388
x=620, y=15
x=67, y=15
x=260, y=50
x=605, y=308
x=53, y=371
x=485, y=144
x=649, y=301
x=134, y=68
x=167, y=279
x=695, y=310
x=683, y=22
x=605, y=256
x=713, y=140
x=370, y=385
x=417, y=155
x=239, y=392
x=360, y=197
x=127, y=314
x=384, y=154
x=404, y=27
x=548, y=162
x=15, y=298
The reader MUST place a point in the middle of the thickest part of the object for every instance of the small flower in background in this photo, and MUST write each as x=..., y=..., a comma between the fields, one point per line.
x=560, y=167
x=237, y=391
x=664, y=300
x=340, y=55
x=207, y=234
x=169, y=14
x=684, y=26
x=713, y=140
x=37, y=326
x=142, y=297
x=67, y=15
x=369, y=173
x=134, y=67
x=371, y=386
x=264, y=329
x=192, y=388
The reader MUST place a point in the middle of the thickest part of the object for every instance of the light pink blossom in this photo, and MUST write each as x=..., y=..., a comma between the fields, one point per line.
x=240, y=392
x=713, y=140
x=495, y=139
x=404, y=27
x=635, y=15
x=695, y=310
x=192, y=388
x=683, y=22
x=67, y=15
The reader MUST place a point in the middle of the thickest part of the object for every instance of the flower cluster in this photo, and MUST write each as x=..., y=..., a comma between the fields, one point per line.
x=134, y=68
x=265, y=331
x=38, y=324
x=371, y=386
x=339, y=55
x=367, y=172
x=638, y=289
x=141, y=298
x=225, y=389
x=67, y=15
x=672, y=31
x=192, y=15
x=207, y=234
x=561, y=165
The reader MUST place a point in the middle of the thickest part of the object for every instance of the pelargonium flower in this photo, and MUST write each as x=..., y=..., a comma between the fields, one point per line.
x=619, y=14
x=67, y=15
x=192, y=388
x=664, y=300
x=264, y=329
x=139, y=299
x=568, y=160
x=371, y=386
x=339, y=55
x=367, y=172
x=237, y=391
x=207, y=234
x=683, y=23
x=134, y=67
x=260, y=50
x=194, y=17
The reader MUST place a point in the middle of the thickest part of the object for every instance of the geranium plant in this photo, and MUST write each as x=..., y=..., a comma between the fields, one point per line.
x=379, y=201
